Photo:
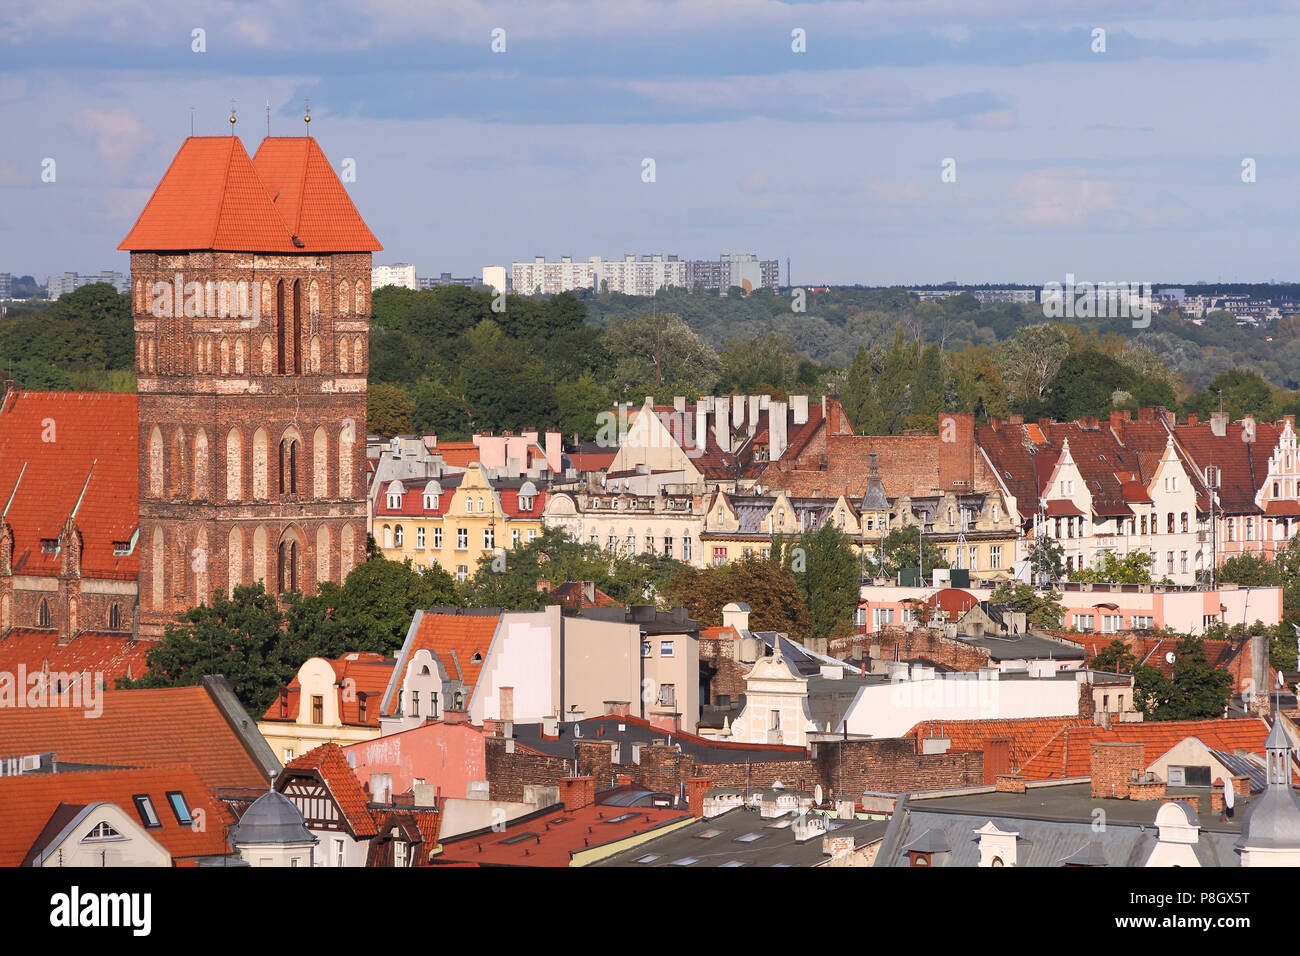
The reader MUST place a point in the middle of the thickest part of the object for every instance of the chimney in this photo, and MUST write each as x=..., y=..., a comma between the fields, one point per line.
x=1147, y=413
x=736, y=618
x=668, y=723
x=551, y=728
x=1017, y=419
x=799, y=404
x=679, y=404
x=577, y=792
x=381, y=787
x=751, y=416
x=589, y=591
x=722, y=425
x=507, y=704
x=618, y=708
x=702, y=406
x=1009, y=783
x=1117, y=420
x=777, y=440
x=1115, y=767
x=554, y=452
x=696, y=789
x=1192, y=419
x=956, y=451
x=1219, y=424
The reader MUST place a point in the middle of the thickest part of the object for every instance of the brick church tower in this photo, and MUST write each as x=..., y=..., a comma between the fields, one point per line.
x=251, y=297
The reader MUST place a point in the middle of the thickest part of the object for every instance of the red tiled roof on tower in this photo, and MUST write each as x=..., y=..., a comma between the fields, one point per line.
x=213, y=196
x=311, y=201
x=56, y=441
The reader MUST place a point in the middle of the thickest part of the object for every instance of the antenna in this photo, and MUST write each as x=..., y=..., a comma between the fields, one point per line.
x=268, y=117
x=191, y=121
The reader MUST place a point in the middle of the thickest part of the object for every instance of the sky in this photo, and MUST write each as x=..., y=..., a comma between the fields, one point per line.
x=1122, y=164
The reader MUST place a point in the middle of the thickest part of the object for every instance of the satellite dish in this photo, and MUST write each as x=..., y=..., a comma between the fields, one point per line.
x=817, y=795
x=1169, y=658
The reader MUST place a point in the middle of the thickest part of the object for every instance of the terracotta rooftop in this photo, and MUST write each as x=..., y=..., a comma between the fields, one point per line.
x=213, y=196
x=456, y=640
x=75, y=452
x=136, y=728
x=329, y=765
x=1069, y=753
x=28, y=801
x=1027, y=735
x=110, y=655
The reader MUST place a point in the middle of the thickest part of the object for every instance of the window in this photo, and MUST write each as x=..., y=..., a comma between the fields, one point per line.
x=1110, y=623
x=1250, y=529
x=1182, y=561
x=462, y=539
x=103, y=831
x=489, y=538
x=525, y=504
x=995, y=556
x=613, y=542
x=289, y=466
x=398, y=536
x=1140, y=621
x=338, y=852
x=144, y=807
x=884, y=615
x=480, y=505
x=361, y=707
x=388, y=536
x=667, y=695
x=462, y=573
x=645, y=648
x=668, y=546
x=1083, y=622
x=49, y=545
x=686, y=549
x=399, y=853
x=121, y=547
x=665, y=648
x=419, y=538
x=415, y=703
x=514, y=538
x=317, y=709
x=115, y=617
x=288, y=754
x=1169, y=562
x=1232, y=527
x=284, y=703
x=1186, y=522
x=1169, y=523
x=430, y=502
x=43, y=614
x=650, y=543
x=179, y=807
x=437, y=539
x=719, y=556
x=532, y=535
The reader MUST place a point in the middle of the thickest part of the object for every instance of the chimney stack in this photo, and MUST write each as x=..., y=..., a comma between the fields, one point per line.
x=577, y=792
x=696, y=789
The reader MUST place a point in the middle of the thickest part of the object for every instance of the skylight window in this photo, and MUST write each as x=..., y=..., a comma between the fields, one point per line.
x=648, y=858
x=623, y=817
x=749, y=838
x=144, y=806
x=731, y=863
x=180, y=807
x=686, y=861
x=708, y=834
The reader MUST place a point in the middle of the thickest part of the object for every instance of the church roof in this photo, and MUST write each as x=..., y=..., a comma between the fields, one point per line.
x=214, y=196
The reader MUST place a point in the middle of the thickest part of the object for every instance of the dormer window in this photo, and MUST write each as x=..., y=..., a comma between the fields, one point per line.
x=102, y=831
x=284, y=704
x=121, y=547
x=525, y=504
x=49, y=545
x=394, y=501
x=430, y=502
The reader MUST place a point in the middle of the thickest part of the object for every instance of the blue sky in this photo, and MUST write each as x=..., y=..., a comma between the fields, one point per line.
x=1115, y=166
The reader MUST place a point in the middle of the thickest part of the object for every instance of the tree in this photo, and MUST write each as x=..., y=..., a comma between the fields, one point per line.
x=1133, y=568
x=767, y=585
x=652, y=353
x=1242, y=392
x=1029, y=362
x=1116, y=658
x=829, y=577
x=1196, y=689
x=1047, y=559
x=900, y=551
x=388, y=410
x=765, y=363
x=1041, y=610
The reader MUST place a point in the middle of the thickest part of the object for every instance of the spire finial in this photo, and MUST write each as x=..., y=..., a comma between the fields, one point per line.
x=232, y=117
x=307, y=116
x=191, y=121
x=268, y=117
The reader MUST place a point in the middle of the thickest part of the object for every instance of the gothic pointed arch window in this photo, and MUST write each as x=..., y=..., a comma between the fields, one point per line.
x=314, y=355
x=156, y=463
x=280, y=331
x=290, y=456
x=225, y=356
x=239, y=355
x=235, y=559
x=156, y=567
x=43, y=614
x=259, y=554
x=360, y=304
x=115, y=617
x=346, y=442
x=260, y=482
x=320, y=450
x=234, y=465
x=295, y=344
x=287, y=569
x=347, y=552
x=343, y=353
x=358, y=356
x=343, y=297
x=180, y=464
x=323, y=548
x=199, y=487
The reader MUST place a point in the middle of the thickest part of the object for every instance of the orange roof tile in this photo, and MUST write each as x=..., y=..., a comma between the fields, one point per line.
x=1028, y=734
x=28, y=801
x=329, y=764
x=74, y=451
x=454, y=639
x=1069, y=753
x=109, y=655
x=309, y=197
x=138, y=728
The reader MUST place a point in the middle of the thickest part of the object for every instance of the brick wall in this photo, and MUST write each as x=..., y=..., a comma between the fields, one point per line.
x=1112, y=766
x=508, y=773
x=730, y=676
x=923, y=642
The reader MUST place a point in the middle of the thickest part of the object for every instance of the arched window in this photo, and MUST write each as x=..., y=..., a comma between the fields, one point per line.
x=358, y=360
x=288, y=569
x=343, y=298
x=315, y=354
x=281, y=334
x=235, y=559
x=199, y=487
x=234, y=465
x=343, y=353
x=289, y=449
x=180, y=468
x=200, y=566
x=115, y=617
x=347, y=552
x=322, y=553
x=345, y=462
x=225, y=356
x=388, y=536
x=260, y=482
x=320, y=450
x=296, y=343
x=43, y=614
x=259, y=555
x=361, y=298
x=239, y=355
x=156, y=463
x=156, y=567
x=398, y=536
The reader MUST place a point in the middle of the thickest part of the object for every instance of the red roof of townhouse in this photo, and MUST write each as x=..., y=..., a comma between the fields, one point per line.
x=29, y=802
x=457, y=454
x=1152, y=650
x=574, y=594
x=552, y=837
x=459, y=641
x=1243, y=465
x=286, y=199
x=328, y=764
x=1069, y=753
x=135, y=728
x=109, y=656
x=1027, y=735
x=71, y=454
x=360, y=675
